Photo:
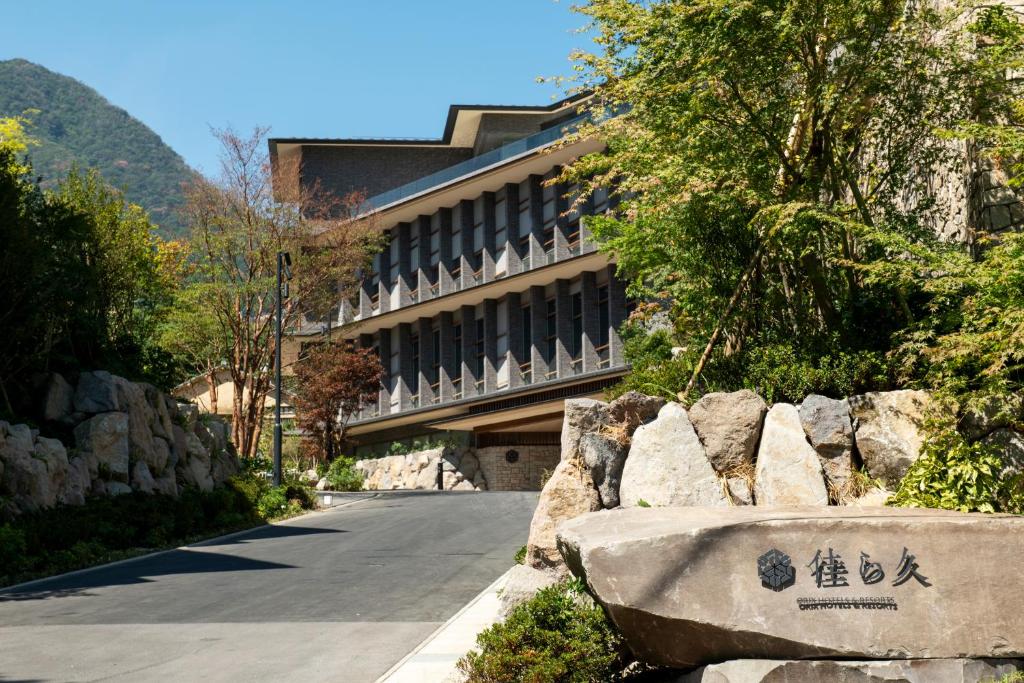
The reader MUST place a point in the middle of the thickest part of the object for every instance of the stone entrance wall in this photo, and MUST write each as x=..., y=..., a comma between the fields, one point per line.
x=465, y=469
x=532, y=467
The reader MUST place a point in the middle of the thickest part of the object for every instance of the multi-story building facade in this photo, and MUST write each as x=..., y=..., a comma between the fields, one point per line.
x=490, y=305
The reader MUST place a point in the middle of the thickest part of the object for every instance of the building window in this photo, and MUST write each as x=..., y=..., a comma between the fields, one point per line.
x=457, y=342
x=414, y=250
x=414, y=352
x=577, y=325
x=479, y=349
x=525, y=223
x=550, y=332
x=435, y=362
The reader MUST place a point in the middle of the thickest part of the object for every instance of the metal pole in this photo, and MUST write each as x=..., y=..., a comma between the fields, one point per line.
x=277, y=378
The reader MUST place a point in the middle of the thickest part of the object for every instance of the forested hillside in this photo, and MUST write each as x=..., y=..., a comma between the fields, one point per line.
x=75, y=124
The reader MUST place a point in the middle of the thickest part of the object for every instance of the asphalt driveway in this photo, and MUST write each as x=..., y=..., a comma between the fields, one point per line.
x=339, y=595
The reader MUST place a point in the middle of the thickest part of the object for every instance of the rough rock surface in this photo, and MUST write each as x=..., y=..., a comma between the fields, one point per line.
x=522, y=583
x=667, y=466
x=604, y=457
x=128, y=436
x=96, y=393
x=105, y=438
x=633, y=409
x=826, y=422
x=1010, y=445
x=841, y=671
x=788, y=470
x=729, y=425
x=739, y=491
x=582, y=416
x=698, y=589
x=569, y=493
x=888, y=427
x=418, y=470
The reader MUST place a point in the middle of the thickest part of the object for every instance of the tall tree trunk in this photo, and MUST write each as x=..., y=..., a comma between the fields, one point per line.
x=211, y=384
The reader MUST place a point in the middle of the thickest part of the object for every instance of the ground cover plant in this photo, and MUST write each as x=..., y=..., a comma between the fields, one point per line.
x=558, y=635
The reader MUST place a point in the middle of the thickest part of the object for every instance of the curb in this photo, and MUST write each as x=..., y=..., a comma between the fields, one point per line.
x=198, y=544
x=493, y=587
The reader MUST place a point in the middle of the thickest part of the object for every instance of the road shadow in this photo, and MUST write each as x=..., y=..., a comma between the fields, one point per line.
x=147, y=568
x=269, y=531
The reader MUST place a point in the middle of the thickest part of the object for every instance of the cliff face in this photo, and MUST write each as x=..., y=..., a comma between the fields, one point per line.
x=126, y=437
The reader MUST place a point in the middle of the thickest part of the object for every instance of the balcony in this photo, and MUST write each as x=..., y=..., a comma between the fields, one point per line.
x=476, y=164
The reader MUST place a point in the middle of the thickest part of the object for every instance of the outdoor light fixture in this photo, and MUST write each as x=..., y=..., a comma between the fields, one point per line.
x=284, y=275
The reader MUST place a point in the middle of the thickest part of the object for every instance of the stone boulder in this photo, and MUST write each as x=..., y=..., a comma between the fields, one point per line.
x=889, y=431
x=96, y=393
x=77, y=483
x=1010, y=446
x=142, y=478
x=604, y=457
x=582, y=416
x=162, y=424
x=132, y=400
x=194, y=469
x=826, y=422
x=55, y=458
x=58, y=399
x=739, y=491
x=788, y=471
x=25, y=478
x=667, y=466
x=568, y=493
x=842, y=671
x=521, y=584
x=692, y=586
x=633, y=409
x=105, y=438
x=729, y=426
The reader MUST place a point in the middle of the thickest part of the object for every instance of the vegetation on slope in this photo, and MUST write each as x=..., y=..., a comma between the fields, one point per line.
x=75, y=125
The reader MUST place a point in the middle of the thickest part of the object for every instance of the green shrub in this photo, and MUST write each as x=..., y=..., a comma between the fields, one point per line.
x=953, y=474
x=559, y=635
x=343, y=476
x=273, y=503
x=520, y=556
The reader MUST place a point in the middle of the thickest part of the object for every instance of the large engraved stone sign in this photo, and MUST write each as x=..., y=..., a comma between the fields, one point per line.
x=689, y=586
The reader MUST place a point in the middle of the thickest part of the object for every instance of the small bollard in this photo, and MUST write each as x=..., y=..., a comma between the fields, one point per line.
x=440, y=474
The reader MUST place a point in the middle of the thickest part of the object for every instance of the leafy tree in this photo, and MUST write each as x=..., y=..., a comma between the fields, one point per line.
x=335, y=383
x=82, y=281
x=191, y=333
x=769, y=152
x=239, y=223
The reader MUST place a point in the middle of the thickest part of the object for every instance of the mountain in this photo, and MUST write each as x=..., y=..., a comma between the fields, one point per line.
x=75, y=124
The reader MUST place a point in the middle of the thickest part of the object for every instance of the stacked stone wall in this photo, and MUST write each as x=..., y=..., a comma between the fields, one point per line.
x=119, y=437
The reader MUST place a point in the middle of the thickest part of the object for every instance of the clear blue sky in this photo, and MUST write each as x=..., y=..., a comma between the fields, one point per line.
x=306, y=68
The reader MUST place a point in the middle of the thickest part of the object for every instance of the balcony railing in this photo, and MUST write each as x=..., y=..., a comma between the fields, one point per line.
x=604, y=358
x=575, y=366
x=526, y=373
x=435, y=391
x=414, y=295
x=457, y=388
x=414, y=401
x=477, y=163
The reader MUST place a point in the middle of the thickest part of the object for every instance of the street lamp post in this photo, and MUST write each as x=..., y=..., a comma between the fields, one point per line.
x=284, y=274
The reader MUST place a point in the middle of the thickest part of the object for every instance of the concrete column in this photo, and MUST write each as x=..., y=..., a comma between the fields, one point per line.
x=469, y=351
x=385, y=361
x=363, y=298
x=537, y=218
x=448, y=371
x=445, y=237
x=384, y=289
x=426, y=369
x=490, y=345
x=563, y=327
x=468, y=264
x=490, y=247
x=515, y=340
x=561, y=221
x=538, y=317
x=512, y=254
x=426, y=275
x=406, y=277
x=616, y=317
x=407, y=371
x=591, y=322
